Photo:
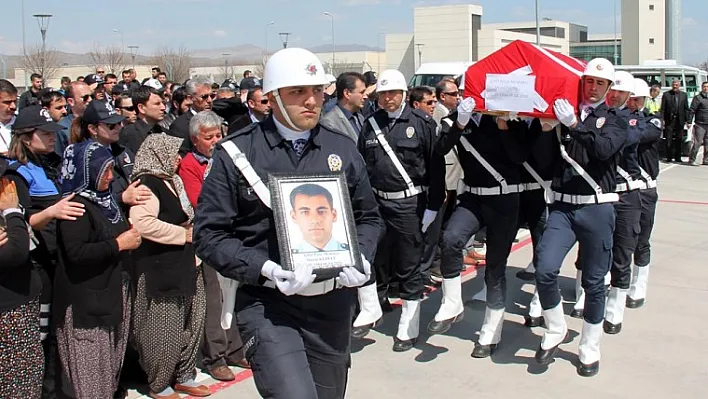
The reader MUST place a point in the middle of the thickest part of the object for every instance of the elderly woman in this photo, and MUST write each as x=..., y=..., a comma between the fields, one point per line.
x=33, y=157
x=21, y=359
x=91, y=289
x=169, y=308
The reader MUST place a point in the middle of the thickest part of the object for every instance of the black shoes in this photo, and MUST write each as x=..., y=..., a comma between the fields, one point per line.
x=526, y=276
x=441, y=327
x=610, y=328
x=577, y=313
x=400, y=345
x=362, y=331
x=533, y=321
x=482, y=351
x=634, y=303
x=589, y=370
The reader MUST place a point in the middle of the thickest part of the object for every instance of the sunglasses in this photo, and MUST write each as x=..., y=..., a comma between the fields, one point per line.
x=86, y=98
x=453, y=93
x=100, y=71
x=431, y=102
x=264, y=101
x=111, y=126
x=129, y=109
x=205, y=96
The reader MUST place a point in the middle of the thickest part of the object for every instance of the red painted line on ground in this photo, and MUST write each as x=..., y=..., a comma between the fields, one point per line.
x=246, y=374
x=220, y=386
x=684, y=202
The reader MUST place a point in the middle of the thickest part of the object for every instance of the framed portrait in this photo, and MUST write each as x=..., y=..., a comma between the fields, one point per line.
x=315, y=223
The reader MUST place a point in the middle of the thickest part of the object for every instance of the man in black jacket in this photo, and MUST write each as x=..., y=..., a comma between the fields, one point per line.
x=31, y=96
x=202, y=100
x=699, y=111
x=151, y=110
x=674, y=106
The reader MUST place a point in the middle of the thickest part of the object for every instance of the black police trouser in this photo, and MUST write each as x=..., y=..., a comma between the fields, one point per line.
x=400, y=251
x=591, y=226
x=298, y=346
x=642, y=254
x=533, y=211
x=432, y=243
x=674, y=140
x=499, y=214
x=628, y=211
x=219, y=347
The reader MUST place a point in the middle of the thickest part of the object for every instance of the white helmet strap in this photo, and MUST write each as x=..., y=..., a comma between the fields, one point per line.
x=276, y=94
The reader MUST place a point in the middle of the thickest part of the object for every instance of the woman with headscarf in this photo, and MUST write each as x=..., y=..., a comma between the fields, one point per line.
x=101, y=123
x=170, y=303
x=91, y=287
x=21, y=358
x=32, y=156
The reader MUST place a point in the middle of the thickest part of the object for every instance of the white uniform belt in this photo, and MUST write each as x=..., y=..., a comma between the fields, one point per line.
x=651, y=184
x=536, y=186
x=586, y=199
x=397, y=195
x=507, y=189
x=630, y=186
x=313, y=289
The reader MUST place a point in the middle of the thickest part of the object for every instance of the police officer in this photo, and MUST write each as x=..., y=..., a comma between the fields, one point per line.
x=296, y=332
x=536, y=176
x=408, y=180
x=583, y=189
x=490, y=153
x=629, y=208
x=648, y=157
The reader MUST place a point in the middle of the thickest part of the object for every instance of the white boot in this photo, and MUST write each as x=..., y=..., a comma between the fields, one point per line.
x=481, y=295
x=608, y=278
x=370, y=307
x=535, y=309
x=556, y=327
x=614, y=310
x=409, y=323
x=451, y=305
x=589, y=349
x=638, y=290
x=490, y=333
x=579, y=306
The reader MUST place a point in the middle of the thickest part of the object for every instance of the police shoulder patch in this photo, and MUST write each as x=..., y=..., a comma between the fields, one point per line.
x=600, y=122
x=334, y=162
x=656, y=122
x=410, y=131
x=632, y=122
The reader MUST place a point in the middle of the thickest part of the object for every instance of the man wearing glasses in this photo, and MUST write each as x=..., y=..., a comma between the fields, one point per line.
x=101, y=72
x=78, y=96
x=199, y=89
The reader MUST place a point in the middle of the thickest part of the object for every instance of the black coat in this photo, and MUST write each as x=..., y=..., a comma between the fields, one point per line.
x=672, y=111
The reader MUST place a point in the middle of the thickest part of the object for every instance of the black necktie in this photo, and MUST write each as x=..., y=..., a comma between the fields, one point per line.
x=299, y=146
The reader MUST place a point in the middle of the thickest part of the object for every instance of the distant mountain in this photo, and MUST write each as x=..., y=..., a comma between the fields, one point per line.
x=327, y=48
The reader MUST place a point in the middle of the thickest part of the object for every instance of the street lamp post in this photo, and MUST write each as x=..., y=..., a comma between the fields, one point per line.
x=538, y=27
x=331, y=69
x=615, y=26
x=122, y=42
x=226, y=65
x=420, y=53
x=266, y=35
x=284, y=37
x=133, y=53
x=43, y=22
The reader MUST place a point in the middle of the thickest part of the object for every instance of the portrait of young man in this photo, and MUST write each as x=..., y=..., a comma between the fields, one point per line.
x=314, y=214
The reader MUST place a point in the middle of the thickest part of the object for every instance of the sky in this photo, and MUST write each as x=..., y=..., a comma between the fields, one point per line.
x=201, y=24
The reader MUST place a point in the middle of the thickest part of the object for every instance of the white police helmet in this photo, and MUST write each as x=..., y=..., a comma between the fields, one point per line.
x=641, y=88
x=600, y=68
x=624, y=81
x=293, y=67
x=391, y=79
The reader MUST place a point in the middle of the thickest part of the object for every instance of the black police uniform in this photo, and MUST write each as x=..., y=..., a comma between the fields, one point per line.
x=298, y=346
x=132, y=136
x=482, y=199
x=412, y=137
x=542, y=160
x=580, y=213
x=648, y=158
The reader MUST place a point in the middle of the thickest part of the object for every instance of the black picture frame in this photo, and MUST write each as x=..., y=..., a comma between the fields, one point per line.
x=341, y=250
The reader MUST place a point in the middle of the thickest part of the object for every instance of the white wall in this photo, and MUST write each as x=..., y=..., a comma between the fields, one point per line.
x=491, y=40
x=400, y=53
x=639, y=24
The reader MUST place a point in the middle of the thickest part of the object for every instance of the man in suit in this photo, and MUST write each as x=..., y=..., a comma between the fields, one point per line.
x=199, y=89
x=346, y=116
x=675, y=111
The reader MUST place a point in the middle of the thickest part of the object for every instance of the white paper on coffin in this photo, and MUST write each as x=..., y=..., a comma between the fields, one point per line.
x=514, y=92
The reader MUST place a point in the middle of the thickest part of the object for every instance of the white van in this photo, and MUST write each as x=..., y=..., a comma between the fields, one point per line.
x=431, y=73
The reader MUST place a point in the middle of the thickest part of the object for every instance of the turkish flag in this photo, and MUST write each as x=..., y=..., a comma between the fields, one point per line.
x=557, y=75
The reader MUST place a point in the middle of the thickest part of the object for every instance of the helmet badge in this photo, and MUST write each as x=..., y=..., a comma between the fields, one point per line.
x=311, y=69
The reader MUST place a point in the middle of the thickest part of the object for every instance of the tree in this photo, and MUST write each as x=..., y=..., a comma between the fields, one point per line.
x=45, y=63
x=112, y=58
x=175, y=62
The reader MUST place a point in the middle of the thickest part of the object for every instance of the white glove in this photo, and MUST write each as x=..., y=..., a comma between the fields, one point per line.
x=548, y=124
x=428, y=219
x=351, y=277
x=289, y=283
x=565, y=112
x=464, y=111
